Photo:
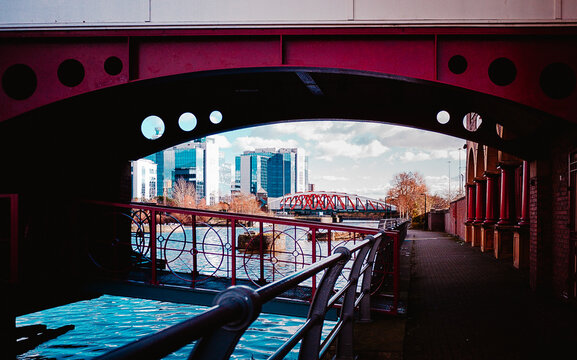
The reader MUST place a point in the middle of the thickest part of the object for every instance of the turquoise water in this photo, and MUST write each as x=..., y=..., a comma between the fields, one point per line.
x=109, y=321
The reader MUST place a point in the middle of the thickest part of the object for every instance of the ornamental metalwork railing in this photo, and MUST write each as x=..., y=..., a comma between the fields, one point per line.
x=198, y=248
x=218, y=330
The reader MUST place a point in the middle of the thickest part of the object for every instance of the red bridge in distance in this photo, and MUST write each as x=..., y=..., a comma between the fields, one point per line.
x=329, y=201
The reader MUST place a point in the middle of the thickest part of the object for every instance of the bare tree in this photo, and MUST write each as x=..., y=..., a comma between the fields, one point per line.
x=184, y=194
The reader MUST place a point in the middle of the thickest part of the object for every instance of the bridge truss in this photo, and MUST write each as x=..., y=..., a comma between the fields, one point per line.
x=332, y=202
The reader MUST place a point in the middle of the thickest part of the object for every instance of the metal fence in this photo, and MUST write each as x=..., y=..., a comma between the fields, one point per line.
x=196, y=247
x=218, y=330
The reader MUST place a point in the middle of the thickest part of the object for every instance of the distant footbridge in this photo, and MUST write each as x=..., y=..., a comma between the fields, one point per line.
x=330, y=202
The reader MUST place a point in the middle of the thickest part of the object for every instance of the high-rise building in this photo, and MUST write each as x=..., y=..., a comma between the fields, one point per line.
x=194, y=161
x=164, y=173
x=144, y=179
x=225, y=179
x=278, y=172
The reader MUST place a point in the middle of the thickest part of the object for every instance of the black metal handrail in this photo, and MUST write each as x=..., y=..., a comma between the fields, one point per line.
x=219, y=328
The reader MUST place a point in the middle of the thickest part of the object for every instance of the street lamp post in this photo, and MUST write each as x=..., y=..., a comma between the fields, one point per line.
x=386, y=208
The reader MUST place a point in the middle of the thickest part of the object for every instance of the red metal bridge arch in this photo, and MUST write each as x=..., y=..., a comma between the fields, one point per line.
x=520, y=78
x=332, y=201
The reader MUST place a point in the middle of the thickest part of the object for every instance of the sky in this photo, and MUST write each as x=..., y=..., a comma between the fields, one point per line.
x=358, y=157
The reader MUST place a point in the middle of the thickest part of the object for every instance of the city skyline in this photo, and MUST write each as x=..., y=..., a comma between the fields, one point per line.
x=355, y=157
x=358, y=157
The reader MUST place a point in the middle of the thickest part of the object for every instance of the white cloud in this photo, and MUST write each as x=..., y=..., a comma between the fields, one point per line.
x=437, y=184
x=338, y=148
x=398, y=136
x=221, y=141
x=333, y=178
x=254, y=142
x=425, y=155
x=309, y=130
x=409, y=156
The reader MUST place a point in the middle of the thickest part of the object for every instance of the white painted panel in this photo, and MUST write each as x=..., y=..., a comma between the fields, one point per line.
x=73, y=11
x=569, y=9
x=454, y=9
x=241, y=11
x=23, y=13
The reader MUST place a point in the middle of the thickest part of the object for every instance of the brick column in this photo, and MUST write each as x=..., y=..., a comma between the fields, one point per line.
x=470, y=202
x=507, y=208
x=503, y=234
x=469, y=233
x=491, y=211
x=481, y=200
x=525, y=196
x=492, y=193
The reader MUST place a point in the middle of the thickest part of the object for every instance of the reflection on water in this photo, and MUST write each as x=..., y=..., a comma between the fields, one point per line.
x=107, y=322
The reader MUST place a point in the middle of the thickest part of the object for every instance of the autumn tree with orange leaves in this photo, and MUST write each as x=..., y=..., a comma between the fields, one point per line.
x=408, y=193
x=245, y=204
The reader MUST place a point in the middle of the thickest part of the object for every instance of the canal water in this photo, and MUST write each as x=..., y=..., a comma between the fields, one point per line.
x=107, y=322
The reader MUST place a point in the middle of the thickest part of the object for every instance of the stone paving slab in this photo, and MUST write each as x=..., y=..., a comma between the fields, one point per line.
x=464, y=304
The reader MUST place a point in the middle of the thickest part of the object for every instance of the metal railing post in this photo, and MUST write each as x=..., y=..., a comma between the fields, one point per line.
x=311, y=343
x=194, y=251
x=314, y=258
x=233, y=250
x=345, y=339
x=220, y=343
x=329, y=241
x=261, y=280
x=153, y=276
x=365, y=305
x=396, y=269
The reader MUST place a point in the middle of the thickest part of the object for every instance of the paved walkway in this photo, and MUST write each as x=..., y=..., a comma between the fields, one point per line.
x=464, y=304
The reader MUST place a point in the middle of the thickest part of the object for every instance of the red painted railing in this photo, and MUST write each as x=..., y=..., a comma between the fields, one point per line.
x=9, y=236
x=197, y=247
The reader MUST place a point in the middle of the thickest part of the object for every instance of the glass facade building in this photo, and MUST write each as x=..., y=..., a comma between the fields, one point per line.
x=194, y=161
x=278, y=172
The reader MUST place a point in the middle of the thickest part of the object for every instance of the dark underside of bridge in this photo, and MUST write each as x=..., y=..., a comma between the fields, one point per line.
x=80, y=147
x=105, y=124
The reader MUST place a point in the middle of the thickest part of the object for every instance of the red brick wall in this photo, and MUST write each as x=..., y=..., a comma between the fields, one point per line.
x=560, y=249
x=456, y=217
x=550, y=219
x=540, y=237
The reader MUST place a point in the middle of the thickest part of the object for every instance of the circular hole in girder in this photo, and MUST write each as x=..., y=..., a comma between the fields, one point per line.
x=443, y=117
x=557, y=80
x=457, y=64
x=152, y=127
x=215, y=117
x=71, y=72
x=19, y=81
x=502, y=71
x=113, y=65
x=472, y=121
x=187, y=121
